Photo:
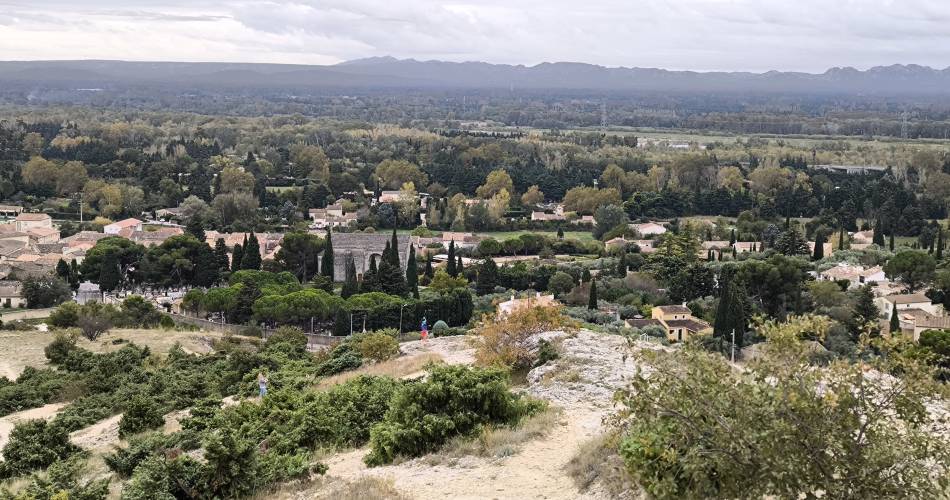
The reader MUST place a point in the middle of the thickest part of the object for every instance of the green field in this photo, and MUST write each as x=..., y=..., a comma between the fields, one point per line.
x=504, y=235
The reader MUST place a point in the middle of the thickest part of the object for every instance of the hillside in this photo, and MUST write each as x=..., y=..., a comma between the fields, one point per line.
x=393, y=73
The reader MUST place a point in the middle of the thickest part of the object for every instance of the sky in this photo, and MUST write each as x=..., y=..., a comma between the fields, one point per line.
x=702, y=35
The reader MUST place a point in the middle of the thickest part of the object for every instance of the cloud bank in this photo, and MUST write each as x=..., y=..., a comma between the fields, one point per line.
x=753, y=35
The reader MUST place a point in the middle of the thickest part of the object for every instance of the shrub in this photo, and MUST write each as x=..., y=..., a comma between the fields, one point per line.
x=141, y=414
x=439, y=328
x=151, y=481
x=547, y=351
x=166, y=322
x=343, y=357
x=123, y=461
x=35, y=444
x=376, y=346
x=510, y=341
x=63, y=480
x=66, y=315
x=452, y=401
x=59, y=349
x=288, y=339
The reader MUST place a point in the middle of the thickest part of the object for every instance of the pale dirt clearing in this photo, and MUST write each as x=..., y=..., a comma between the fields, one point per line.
x=21, y=349
x=8, y=422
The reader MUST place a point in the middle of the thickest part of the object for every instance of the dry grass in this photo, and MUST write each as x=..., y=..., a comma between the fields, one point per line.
x=396, y=368
x=597, y=461
x=21, y=349
x=365, y=488
x=498, y=442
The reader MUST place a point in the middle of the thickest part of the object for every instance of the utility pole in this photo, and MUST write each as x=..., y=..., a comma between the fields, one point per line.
x=733, y=345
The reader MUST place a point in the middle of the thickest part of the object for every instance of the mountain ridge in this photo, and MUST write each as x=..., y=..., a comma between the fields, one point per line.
x=390, y=72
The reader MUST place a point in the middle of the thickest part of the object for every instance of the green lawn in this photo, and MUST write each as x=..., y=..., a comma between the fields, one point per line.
x=504, y=235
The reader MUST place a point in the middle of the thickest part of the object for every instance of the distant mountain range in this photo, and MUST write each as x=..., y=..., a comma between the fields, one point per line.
x=391, y=73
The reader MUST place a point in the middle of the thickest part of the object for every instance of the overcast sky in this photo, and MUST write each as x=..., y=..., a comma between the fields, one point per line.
x=756, y=35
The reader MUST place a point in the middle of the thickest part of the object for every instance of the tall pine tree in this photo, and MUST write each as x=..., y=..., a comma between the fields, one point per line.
x=350, y=286
x=878, y=234
x=412, y=272
x=370, y=277
x=429, y=273
x=895, y=325
x=733, y=311
x=487, y=277
x=394, y=250
x=450, y=263
x=622, y=263
x=195, y=227
x=326, y=263
x=819, y=252
x=109, y=275
x=459, y=269
x=865, y=313
x=237, y=256
x=592, y=296
x=252, y=253
x=221, y=256
x=939, y=254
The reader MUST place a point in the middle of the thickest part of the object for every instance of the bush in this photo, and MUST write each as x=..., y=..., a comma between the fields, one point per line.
x=57, y=352
x=342, y=358
x=376, y=346
x=510, y=342
x=66, y=315
x=151, y=481
x=166, y=322
x=452, y=401
x=123, y=461
x=35, y=444
x=96, y=319
x=439, y=328
x=547, y=351
x=141, y=414
x=288, y=339
x=62, y=481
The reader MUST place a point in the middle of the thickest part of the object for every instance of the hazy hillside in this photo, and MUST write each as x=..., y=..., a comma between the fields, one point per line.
x=388, y=72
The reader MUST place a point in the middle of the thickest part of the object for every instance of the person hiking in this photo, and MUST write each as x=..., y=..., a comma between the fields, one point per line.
x=262, y=383
x=425, y=329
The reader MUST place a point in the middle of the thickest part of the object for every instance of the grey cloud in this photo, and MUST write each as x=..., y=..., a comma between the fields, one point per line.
x=678, y=34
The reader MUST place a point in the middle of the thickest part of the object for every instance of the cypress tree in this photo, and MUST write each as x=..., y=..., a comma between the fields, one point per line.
x=592, y=296
x=394, y=250
x=429, y=273
x=391, y=279
x=62, y=270
x=326, y=263
x=895, y=325
x=195, y=227
x=74, y=273
x=735, y=253
x=460, y=271
x=732, y=237
x=939, y=253
x=487, y=277
x=864, y=312
x=350, y=286
x=585, y=276
x=732, y=313
x=622, y=264
x=892, y=241
x=221, y=256
x=109, y=276
x=560, y=233
x=841, y=239
x=370, y=277
x=450, y=263
x=412, y=272
x=878, y=235
x=819, y=252
x=237, y=255
x=252, y=254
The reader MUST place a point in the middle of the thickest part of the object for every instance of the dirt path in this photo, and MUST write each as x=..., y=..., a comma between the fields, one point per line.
x=536, y=471
x=8, y=422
